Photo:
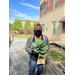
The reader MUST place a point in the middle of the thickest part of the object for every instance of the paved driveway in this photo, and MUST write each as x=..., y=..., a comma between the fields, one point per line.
x=18, y=63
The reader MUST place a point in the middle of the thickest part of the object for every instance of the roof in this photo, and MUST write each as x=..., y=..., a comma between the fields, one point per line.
x=62, y=20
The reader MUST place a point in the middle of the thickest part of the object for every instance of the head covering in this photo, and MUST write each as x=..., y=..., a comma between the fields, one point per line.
x=38, y=25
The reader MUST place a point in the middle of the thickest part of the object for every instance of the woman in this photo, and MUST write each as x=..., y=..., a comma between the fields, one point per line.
x=33, y=57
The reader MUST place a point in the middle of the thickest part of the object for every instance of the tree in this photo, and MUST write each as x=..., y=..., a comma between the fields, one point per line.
x=17, y=25
x=34, y=23
x=10, y=17
x=28, y=26
x=10, y=25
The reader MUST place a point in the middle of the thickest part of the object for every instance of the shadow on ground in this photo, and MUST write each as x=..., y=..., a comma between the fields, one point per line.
x=18, y=65
x=10, y=44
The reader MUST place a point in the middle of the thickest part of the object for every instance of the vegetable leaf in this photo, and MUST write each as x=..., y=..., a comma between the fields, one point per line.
x=39, y=47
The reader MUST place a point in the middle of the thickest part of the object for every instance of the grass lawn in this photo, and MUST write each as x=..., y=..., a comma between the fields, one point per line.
x=10, y=35
x=27, y=36
x=22, y=36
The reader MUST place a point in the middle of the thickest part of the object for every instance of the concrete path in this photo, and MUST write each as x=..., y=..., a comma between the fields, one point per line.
x=18, y=63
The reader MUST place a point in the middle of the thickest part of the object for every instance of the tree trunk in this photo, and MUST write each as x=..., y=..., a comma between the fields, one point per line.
x=14, y=32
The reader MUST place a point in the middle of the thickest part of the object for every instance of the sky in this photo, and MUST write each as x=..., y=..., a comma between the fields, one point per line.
x=24, y=10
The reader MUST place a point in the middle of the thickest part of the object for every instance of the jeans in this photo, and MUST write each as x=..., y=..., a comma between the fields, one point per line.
x=32, y=65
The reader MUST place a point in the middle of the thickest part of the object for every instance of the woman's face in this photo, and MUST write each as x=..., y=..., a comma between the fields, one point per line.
x=38, y=31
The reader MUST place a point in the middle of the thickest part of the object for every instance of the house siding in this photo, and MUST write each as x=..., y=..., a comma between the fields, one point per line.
x=51, y=6
x=40, y=12
x=47, y=19
x=60, y=2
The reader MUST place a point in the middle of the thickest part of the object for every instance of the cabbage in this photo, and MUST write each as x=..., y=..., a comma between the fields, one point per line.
x=39, y=47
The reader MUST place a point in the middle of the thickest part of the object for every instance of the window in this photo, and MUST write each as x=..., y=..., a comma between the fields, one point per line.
x=43, y=11
x=43, y=26
x=54, y=25
x=55, y=4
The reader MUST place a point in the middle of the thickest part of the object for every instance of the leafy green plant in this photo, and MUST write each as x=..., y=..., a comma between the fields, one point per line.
x=51, y=58
x=63, y=68
x=39, y=47
x=57, y=55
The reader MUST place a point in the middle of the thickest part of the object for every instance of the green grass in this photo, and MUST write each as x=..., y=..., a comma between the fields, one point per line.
x=26, y=37
x=51, y=40
x=10, y=35
x=62, y=63
x=50, y=58
x=57, y=56
x=22, y=36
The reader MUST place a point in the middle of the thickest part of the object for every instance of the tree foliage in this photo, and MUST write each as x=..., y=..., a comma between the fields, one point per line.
x=17, y=25
x=10, y=25
x=28, y=25
x=34, y=23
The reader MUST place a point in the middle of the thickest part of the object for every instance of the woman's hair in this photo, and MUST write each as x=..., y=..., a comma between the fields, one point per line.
x=38, y=25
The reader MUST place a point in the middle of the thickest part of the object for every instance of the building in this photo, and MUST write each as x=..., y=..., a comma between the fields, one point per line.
x=52, y=19
x=10, y=31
